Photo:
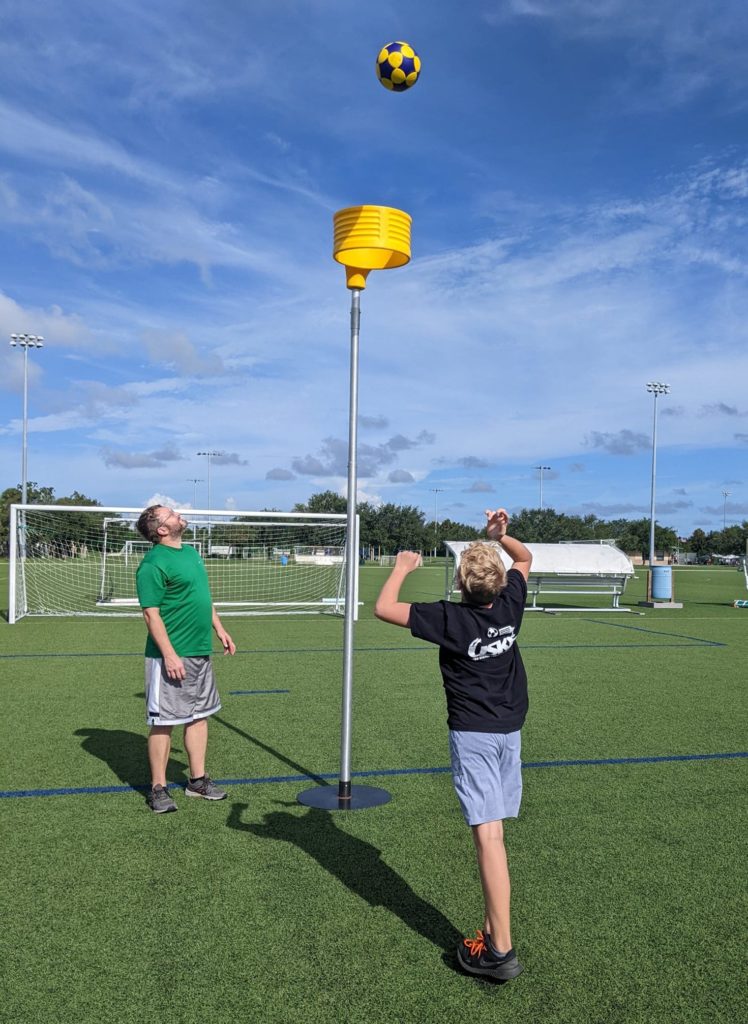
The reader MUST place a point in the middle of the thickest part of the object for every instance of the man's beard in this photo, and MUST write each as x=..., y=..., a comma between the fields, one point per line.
x=178, y=530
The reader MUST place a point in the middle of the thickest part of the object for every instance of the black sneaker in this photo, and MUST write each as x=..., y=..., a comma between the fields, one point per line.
x=477, y=956
x=159, y=800
x=206, y=788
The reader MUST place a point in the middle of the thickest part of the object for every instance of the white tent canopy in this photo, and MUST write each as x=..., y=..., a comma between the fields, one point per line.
x=599, y=569
x=576, y=559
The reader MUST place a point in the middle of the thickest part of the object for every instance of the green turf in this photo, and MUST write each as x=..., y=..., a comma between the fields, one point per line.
x=628, y=905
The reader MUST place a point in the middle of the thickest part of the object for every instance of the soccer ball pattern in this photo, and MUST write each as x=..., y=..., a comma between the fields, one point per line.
x=398, y=66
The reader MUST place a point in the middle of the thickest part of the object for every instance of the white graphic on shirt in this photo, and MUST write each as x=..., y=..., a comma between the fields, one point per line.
x=479, y=652
x=492, y=632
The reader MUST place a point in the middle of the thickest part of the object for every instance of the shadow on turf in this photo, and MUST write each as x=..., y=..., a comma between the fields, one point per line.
x=355, y=863
x=126, y=753
x=271, y=750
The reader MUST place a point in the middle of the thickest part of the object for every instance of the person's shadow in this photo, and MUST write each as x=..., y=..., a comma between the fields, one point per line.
x=357, y=864
x=126, y=753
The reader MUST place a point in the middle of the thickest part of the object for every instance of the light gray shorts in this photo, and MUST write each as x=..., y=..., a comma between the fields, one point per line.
x=180, y=701
x=487, y=774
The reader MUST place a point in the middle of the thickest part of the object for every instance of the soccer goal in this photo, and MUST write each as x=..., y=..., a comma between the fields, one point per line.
x=81, y=560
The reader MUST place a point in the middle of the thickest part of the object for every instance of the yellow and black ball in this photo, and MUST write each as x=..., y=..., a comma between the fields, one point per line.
x=398, y=66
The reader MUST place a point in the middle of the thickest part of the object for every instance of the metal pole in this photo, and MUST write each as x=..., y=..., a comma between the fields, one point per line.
x=24, y=443
x=652, y=497
x=540, y=470
x=210, y=453
x=194, y=480
x=351, y=555
x=437, y=491
x=349, y=797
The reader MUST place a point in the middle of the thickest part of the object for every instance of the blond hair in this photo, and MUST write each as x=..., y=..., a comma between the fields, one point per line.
x=481, y=575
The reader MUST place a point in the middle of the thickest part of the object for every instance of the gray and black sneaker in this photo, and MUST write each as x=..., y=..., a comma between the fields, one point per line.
x=159, y=800
x=206, y=788
x=477, y=956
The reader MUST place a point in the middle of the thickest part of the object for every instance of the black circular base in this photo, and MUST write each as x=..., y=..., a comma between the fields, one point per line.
x=328, y=798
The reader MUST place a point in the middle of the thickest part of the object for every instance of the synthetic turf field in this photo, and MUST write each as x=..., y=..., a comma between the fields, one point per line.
x=628, y=900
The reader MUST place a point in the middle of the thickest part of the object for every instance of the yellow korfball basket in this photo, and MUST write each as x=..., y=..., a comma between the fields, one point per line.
x=370, y=238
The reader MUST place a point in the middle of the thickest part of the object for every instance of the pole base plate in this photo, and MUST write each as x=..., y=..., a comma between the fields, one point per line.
x=328, y=799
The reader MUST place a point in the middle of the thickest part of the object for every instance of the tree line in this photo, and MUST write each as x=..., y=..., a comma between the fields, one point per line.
x=392, y=528
x=388, y=528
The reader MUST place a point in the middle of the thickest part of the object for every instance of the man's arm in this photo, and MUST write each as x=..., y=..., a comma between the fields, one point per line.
x=172, y=662
x=229, y=647
x=496, y=529
x=389, y=607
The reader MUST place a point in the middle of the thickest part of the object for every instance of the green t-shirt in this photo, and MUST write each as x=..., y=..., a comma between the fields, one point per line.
x=175, y=581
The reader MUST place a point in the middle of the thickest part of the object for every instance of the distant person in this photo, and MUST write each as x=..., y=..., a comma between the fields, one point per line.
x=486, y=688
x=180, y=689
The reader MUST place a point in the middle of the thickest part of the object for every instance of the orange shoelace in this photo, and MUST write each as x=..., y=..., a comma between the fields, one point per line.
x=477, y=945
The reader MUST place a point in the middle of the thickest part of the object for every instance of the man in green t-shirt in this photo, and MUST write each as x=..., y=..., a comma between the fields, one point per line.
x=180, y=688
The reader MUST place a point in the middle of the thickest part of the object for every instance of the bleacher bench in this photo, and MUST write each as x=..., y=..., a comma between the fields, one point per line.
x=222, y=551
x=575, y=583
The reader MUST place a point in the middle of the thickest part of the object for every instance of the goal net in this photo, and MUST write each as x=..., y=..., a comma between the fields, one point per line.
x=76, y=560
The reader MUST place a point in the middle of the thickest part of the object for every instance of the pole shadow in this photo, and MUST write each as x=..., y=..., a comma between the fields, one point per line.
x=271, y=750
x=355, y=863
x=126, y=753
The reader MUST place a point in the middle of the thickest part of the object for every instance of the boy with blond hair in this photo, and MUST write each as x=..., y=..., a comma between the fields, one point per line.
x=486, y=689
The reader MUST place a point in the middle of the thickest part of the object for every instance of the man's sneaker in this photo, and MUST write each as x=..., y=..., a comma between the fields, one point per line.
x=477, y=956
x=159, y=800
x=206, y=788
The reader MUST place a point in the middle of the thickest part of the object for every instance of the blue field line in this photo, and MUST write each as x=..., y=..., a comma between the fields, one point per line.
x=692, y=642
x=374, y=772
x=252, y=693
x=659, y=632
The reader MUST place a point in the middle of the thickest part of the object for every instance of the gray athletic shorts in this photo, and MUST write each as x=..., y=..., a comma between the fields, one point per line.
x=487, y=774
x=180, y=701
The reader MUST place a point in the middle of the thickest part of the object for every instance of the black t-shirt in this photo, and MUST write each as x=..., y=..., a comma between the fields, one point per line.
x=484, y=678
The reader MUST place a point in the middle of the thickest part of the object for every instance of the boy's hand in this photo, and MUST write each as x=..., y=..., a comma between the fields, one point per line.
x=497, y=523
x=408, y=560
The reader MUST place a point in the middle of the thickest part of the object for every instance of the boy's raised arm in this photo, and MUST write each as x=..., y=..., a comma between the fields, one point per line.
x=496, y=529
x=388, y=607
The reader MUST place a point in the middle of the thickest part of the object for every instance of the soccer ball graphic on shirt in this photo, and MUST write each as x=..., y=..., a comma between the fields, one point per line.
x=398, y=66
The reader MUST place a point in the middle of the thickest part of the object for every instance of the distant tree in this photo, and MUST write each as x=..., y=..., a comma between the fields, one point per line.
x=73, y=526
x=325, y=501
x=730, y=541
x=697, y=542
x=434, y=535
x=635, y=538
x=401, y=525
x=546, y=526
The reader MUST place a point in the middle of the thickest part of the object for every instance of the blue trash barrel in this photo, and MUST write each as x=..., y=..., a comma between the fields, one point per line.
x=662, y=583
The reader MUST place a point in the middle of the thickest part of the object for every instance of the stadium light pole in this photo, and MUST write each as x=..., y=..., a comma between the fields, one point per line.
x=542, y=469
x=365, y=238
x=194, y=480
x=436, y=492
x=725, y=495
x=25, y=341
x=211, y=455
x=656, y=389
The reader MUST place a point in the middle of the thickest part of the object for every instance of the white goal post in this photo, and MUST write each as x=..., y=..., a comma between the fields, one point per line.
x=81, y=560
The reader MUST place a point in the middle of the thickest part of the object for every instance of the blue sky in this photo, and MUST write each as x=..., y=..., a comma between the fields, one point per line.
x=577, y=174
